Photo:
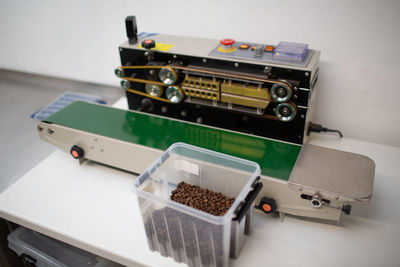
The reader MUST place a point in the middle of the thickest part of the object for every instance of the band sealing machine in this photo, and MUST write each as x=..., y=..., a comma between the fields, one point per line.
x=245, y=99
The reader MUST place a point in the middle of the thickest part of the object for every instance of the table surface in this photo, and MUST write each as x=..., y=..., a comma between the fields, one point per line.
x=92, y=207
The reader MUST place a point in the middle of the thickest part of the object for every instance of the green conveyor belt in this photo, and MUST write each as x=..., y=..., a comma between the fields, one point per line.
x=276, y=158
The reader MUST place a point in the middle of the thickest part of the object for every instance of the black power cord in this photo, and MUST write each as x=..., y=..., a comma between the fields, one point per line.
x=317, y=128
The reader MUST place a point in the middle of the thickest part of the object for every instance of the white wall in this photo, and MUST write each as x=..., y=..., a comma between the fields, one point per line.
x=359, y=40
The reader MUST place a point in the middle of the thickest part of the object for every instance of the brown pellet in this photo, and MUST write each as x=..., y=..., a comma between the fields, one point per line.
x=186, y=238
x=203, y=199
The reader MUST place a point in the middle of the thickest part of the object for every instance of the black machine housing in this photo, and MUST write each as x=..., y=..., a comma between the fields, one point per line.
x=222, y=115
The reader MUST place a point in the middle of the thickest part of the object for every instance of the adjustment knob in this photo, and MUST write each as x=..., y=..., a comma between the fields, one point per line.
x=148, y=44
x=77, y=152
x=259, y=51
x=267, y=205
x=316, y=201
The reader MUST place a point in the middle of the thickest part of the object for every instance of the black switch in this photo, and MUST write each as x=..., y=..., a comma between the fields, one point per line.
x=131, y=29
x=267, y=205
x=346, y=209
x=77, y=152
x=148, y=43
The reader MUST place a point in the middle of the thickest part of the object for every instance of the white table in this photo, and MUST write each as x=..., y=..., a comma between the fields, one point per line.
x=92, y=207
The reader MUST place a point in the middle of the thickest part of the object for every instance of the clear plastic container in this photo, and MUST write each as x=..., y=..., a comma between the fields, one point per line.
x=40, y=250
x=186, y=234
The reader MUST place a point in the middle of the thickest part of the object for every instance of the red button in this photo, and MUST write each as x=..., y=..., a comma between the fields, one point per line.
x=227, y=42
x=74, y=153
x=266, y=207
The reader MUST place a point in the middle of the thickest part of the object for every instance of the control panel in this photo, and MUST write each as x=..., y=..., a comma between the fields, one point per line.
x=289, y=53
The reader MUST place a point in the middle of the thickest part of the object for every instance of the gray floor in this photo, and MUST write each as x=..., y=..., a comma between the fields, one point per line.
x=22, y=94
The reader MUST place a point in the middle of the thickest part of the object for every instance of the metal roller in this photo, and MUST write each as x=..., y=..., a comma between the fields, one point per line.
x=154, y=89
x=168, y=76
x=174, y=94
x=285, y=111
x=281, y=92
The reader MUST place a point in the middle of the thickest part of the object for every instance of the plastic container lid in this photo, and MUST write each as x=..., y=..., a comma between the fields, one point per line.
x=46, y=251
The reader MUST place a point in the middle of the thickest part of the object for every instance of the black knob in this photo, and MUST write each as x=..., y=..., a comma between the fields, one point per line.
x=267, y=205
x=131, y=29
x=346, y=209
x=148, y=44
x=146, y=105
x=77, y=152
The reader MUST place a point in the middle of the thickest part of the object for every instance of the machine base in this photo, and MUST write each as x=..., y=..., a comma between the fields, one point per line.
x=116, y=138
